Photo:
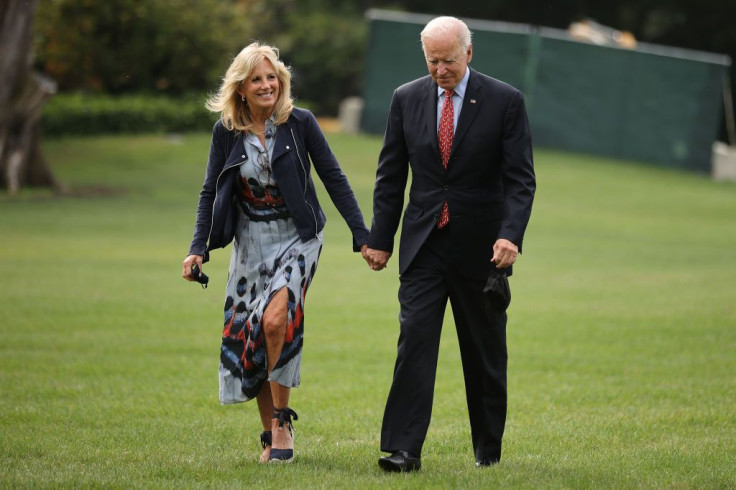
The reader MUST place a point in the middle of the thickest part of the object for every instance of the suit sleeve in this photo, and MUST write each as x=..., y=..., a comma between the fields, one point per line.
x=519, y=182
x=391, y=177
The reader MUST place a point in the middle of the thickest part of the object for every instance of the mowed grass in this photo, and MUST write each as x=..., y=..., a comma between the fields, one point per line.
x=622, y=336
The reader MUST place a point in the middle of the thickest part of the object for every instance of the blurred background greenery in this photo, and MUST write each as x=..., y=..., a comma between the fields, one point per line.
x=87, y=67
x=180, y=48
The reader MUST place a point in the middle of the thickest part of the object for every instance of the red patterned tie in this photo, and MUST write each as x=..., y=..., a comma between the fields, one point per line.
x=445, y=138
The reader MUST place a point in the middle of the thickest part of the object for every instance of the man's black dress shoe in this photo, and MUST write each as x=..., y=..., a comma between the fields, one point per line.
x=399, y=461
x=486, y=462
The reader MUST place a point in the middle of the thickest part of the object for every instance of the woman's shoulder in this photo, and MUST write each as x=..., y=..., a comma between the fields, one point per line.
x=301, y=115
x=219, y=128
x=223, y=137
x=303, y=118
x=221, y=132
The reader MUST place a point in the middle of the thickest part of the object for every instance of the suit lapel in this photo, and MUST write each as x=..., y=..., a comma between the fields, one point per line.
x=471, y=106
x=430, y=115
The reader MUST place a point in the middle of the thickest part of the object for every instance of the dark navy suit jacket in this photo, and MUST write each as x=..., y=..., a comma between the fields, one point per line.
x=489, y=183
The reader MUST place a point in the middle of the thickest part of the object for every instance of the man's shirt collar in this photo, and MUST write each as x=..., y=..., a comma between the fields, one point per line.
x=460, y=87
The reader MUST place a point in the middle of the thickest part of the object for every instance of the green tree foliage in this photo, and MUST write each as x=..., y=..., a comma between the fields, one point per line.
x=179, y=46
x=323, y=42
x=119, y=46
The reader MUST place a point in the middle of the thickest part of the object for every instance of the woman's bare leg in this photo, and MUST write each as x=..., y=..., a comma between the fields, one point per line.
x=265, y=409
x=274, y=326
x=282, y=438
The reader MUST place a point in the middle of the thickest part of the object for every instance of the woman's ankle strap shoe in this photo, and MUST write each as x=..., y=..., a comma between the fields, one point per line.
x=266, y=438
x=281, y=455
x=285, y=415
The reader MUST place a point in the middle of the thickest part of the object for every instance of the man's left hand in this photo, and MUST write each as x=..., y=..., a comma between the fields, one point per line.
x=504, y=253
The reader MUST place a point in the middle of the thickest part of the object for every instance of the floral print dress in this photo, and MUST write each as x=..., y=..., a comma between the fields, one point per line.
x=267, y=255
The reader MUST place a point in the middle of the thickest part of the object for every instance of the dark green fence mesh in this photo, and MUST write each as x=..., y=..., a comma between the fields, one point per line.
x=653, y=104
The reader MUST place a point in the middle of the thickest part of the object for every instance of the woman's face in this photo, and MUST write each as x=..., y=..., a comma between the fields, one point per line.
x=261, y=88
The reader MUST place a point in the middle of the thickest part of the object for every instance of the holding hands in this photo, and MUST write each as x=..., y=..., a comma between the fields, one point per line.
x=376, y=259
x=505, y=254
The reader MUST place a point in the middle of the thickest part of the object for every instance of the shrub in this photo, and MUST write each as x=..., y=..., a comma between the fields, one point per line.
x=66, y=114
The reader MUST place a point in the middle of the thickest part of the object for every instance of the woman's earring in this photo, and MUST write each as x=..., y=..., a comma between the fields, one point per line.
x=242, y=97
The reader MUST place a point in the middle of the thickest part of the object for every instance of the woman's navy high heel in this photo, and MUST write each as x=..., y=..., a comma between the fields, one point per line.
x=284, y=415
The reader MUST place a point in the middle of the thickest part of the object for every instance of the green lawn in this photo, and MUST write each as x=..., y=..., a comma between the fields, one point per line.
x=622, y=336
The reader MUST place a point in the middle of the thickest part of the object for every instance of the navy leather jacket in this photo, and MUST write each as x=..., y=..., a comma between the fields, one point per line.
x=299, y=145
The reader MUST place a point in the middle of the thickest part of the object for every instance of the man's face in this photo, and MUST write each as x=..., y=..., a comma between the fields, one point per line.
x=446, y=59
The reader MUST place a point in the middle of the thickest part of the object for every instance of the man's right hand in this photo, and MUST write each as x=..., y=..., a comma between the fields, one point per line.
x=376, y=259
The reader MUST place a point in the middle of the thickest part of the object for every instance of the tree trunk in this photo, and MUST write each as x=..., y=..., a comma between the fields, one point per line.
x=22, y=95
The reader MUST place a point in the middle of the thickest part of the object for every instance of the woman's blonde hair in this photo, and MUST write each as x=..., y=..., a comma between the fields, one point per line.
x=234, y=112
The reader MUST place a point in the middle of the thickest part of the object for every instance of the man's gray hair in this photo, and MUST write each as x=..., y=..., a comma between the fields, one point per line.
x=445, y=25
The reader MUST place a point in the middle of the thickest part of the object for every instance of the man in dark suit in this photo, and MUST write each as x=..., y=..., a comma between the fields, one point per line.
x=466, y=138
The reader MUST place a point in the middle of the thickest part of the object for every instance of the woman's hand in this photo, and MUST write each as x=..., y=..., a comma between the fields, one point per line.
x=376, y=259
x=186, y=266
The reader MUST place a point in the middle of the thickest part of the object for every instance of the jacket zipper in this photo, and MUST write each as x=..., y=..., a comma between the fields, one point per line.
x=304, y=169
x=214, y=201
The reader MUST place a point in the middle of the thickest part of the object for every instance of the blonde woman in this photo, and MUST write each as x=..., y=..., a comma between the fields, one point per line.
x=258, y=193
